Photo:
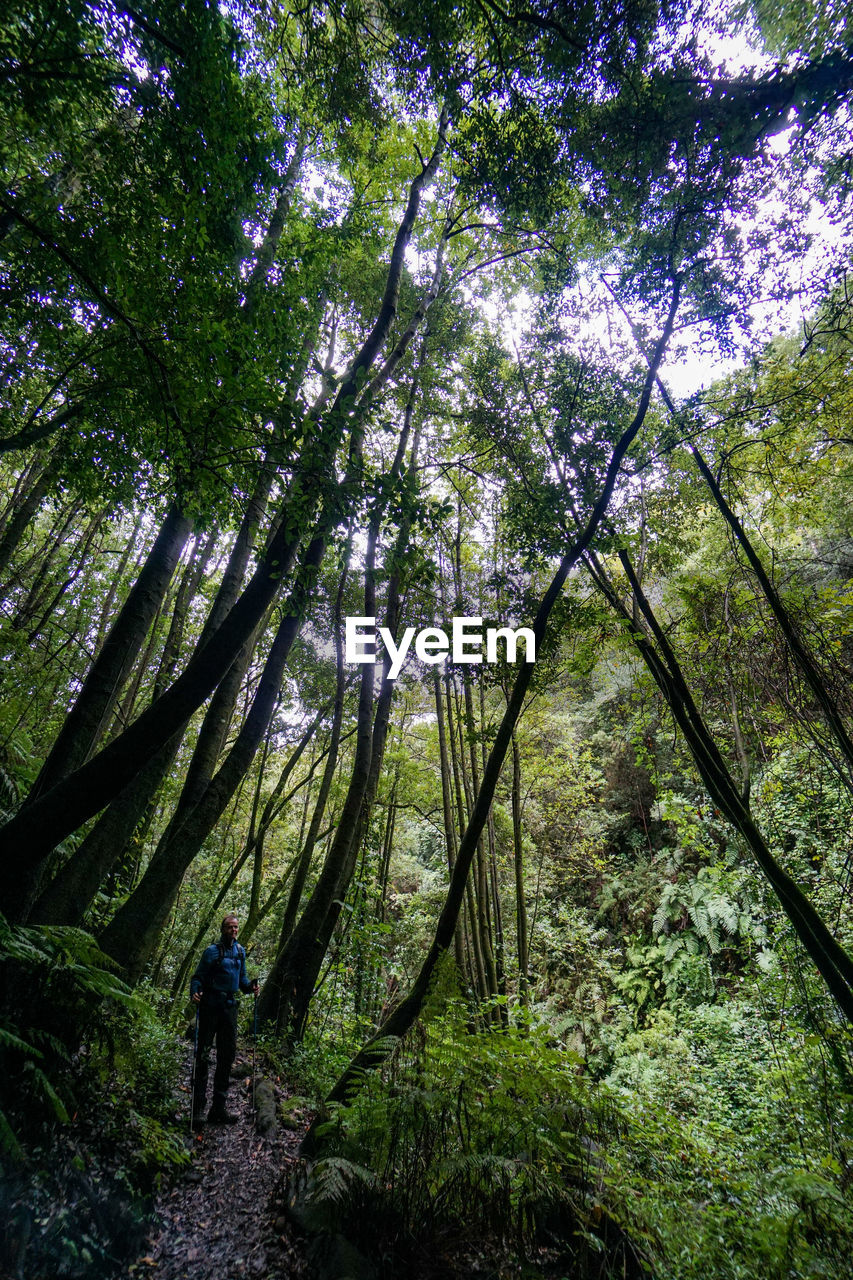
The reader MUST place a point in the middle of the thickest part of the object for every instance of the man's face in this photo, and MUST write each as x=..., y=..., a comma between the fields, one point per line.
x=230, y=929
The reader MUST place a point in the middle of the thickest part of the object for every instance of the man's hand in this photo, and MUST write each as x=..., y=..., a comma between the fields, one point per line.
x=256, y=986
x=196, y=997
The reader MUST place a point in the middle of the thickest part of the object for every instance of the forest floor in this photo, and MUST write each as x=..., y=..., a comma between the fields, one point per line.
x=225, y=1214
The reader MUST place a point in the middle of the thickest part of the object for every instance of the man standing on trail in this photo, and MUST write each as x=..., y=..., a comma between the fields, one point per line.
x=219, y=975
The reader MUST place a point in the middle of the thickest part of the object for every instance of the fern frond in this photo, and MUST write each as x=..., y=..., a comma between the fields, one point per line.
x=9, y=1040
x=335, y=1177
x=47, y=1090
x=9, y=1143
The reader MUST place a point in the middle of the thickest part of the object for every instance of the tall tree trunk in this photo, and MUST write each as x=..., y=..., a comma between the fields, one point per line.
x=28, y=477
x=87, y=717
x=447, y=811
x=47, y=607
x=258, y=844
x=265, y=256
x=463, y=815
x=484, y=923
x=271, y=997
x=191, y=581
x=23, y=513
x=382, y=714
x=116, y=579
x=47, y=558
x=518, y=857
x=386, y=849
x=494, y=885
x=127, y=703
x=273, y=807
x=133, y=932
x=301, y=955
x=289, y=988
x=799, y=651
x=68, y=897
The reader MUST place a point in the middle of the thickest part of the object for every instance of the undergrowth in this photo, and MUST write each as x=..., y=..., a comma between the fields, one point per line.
x=703, y=1156
x=88, y=1078
x=483, y=1140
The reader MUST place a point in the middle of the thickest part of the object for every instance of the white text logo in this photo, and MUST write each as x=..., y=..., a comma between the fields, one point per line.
x=465, y=643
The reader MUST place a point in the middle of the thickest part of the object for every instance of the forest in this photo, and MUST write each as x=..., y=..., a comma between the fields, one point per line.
x=328, y=325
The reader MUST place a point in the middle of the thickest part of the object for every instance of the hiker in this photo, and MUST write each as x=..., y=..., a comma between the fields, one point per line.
x=220, y=973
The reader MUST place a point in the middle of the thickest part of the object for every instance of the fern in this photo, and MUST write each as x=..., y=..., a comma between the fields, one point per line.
x=477, y=1133
x=9, y=1143
x=8, y=1040
x=335, y=1179
x=43, y=1088
x=57, y=968
x=661, y=918
x=708, y=904
x=9, y=793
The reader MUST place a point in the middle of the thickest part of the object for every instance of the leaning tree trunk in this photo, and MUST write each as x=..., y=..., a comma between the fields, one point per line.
x=518, y=860
x=48, y=562
x=799, y=650
x=21, y=517
x=830, y=958
x=116, y=579
x=306, y=854
x=44, y=609
x=69, y=895
x=87, y=717
x=256, y=840
x=132, y=934
x=291, y=984
x=447, y=810
x=463, y=811
x=289, y=987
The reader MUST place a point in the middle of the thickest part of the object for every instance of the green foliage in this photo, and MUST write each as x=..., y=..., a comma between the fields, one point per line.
x=491, y=1138
x=314, y=1063
x=51, y=976
x=700, y=1155
x=161, y=1149
x=676, y=1090
x=727, y=1154
x=87, y=1109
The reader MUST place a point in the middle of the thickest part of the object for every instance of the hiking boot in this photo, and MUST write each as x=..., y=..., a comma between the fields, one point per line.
x=218, y=1115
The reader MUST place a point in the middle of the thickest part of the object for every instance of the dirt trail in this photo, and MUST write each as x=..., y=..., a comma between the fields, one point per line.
x=224, y=1215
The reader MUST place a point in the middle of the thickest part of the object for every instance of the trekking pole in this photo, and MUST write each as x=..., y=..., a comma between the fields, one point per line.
x=254, y=1051
x=192, y=1070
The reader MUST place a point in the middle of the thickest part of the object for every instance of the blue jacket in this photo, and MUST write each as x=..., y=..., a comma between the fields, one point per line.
x=220, y=974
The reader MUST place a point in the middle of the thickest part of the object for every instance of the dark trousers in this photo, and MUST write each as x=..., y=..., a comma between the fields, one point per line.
x=219, y=1025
